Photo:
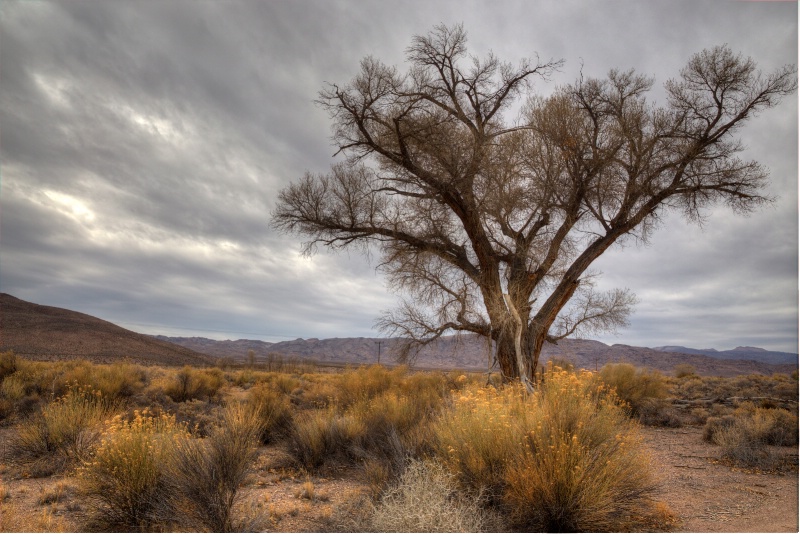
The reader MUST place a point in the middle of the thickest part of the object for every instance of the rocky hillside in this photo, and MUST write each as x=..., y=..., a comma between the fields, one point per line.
x=48, y=333
x=739, y=353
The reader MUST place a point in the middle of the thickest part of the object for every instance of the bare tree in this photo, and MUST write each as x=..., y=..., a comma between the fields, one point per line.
x=490, y=226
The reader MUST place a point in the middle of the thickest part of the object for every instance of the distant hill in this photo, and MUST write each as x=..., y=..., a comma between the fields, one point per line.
x=739, y=353
x=221, y=349
x=45, y=332
x=470, y=352
x=48, y=333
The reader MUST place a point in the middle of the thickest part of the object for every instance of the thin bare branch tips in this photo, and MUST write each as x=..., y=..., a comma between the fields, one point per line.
x=336, y=209
x=719, y=89
x=594, y=312
x=442, y=45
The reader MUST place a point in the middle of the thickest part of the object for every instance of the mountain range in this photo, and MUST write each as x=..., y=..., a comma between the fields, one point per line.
x=739, y=353
x=470, y=352
x=45, y=332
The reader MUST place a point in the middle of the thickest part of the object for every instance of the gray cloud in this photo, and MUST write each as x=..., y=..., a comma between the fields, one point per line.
x=144, y=143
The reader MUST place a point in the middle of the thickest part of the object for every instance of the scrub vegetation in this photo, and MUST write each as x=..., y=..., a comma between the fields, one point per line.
x=135, y=448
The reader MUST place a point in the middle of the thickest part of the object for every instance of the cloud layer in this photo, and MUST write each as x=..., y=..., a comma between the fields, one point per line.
x=144, y=143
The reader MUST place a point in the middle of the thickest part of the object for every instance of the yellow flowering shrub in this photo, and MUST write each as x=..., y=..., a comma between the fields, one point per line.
x=480, y=434
x=125, y=478
x=563, y=458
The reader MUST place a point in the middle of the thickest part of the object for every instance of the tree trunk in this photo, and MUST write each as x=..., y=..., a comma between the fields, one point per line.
x=521, y=358
x=532, y=344
x=506, y=357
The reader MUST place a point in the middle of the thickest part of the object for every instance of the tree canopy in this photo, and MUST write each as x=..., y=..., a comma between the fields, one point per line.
x=491, y=226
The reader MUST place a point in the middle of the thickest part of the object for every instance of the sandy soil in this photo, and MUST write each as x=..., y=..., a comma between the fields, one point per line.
x=705, y=494
x=710, y=496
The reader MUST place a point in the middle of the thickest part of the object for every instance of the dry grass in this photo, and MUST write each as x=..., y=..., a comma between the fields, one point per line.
x=636, y=387
x=190, y=383
x=62, y=433
x=426, y=498
x=778, y=386
x=380, y=420
x=683, y=370
x=15, y=519
x=273, y=409
x=204, y=475
x=747, y=436
x=8, y=364
x=564, y=458
x=125, y=481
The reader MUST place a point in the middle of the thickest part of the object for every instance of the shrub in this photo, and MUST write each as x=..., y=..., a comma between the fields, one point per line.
x=319, y=436
x=286, y=383
x=12, y=392
x=782, y=429
x=273, y=409
x=12, y=388
x=8, y=364
x=190, y=383
x=634, y=386
x=200, y=416
x=365, y=383
x=205, y=474
x=659, y=412
x=715, y=424
x=742, y=444
x=62, y=433
x=382, y=416
x=562, y=363
x=478, y=436
x=39, y=378
x=425, y=499
x=125, y=482
x=563, y=458
x=683, y=370
x=389, y=421
x=118, y=381
x=745, y=436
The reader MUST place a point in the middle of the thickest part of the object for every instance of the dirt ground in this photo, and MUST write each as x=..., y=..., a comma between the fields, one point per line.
x=710, y=496
x=705, y=494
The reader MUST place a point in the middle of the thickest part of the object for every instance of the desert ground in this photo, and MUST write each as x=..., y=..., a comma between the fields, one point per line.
x=722, y=452
x=705, y=495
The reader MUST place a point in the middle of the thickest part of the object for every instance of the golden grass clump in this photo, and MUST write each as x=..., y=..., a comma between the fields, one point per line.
x=372, y=415
x=62, y=433
x=318, y=436
x=563, y=458
x=366, y=383
x=637, y=387
x=684, y=370
x=125, y=481
x=8, y=364
x=191, y=383
x=204, y=475
x=480, y=434
x=746, y=435
x=273, y=409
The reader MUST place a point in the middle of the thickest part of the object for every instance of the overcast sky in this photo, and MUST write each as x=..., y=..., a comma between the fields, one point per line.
x=143, y=144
